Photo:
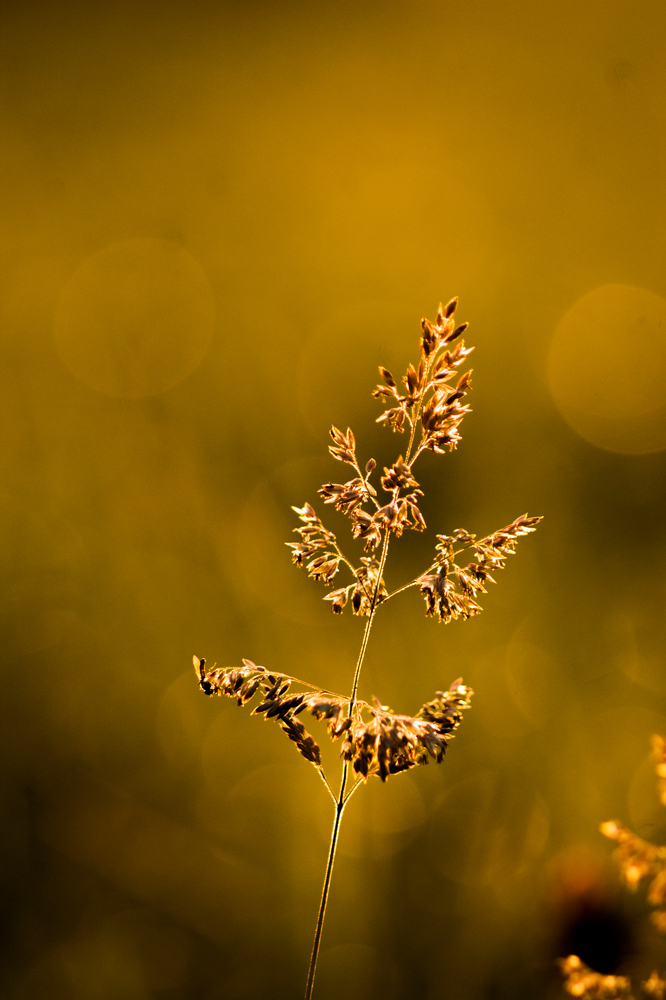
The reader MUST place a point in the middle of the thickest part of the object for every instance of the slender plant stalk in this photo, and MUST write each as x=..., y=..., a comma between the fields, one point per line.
x=371, y=618
x=342, y=798
x=339, y=809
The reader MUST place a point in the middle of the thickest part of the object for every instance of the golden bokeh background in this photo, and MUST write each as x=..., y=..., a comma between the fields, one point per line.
x=218, y=220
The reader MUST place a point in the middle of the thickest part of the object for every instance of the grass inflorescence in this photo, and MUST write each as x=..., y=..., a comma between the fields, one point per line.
x=640, y=861
x=429, y=405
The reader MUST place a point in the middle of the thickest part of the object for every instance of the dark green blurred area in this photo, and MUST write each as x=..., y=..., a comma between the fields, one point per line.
x=295, y=186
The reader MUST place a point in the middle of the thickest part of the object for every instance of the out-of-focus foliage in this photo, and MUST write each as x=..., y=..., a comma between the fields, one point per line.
x=218, y=220
x=639, y=860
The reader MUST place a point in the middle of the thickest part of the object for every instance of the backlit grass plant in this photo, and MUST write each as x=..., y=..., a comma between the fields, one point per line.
x=640, y=862
x=429, y=405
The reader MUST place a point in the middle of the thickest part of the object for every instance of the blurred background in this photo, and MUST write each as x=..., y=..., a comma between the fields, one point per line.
x=218, y=220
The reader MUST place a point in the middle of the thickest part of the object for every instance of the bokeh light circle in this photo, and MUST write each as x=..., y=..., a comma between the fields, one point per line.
x=607, y=369
x=135, y=318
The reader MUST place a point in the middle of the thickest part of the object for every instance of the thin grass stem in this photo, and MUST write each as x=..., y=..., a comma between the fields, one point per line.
x=343, y=798
x=351, y=791
x=323, y=777
x=400, y=589
x=371, y=618
x=339, y=808
x=351, y=567
x=411, y=438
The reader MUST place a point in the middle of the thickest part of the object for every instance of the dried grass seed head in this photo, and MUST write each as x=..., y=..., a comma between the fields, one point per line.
x=450, y=590
x=583, y=982
x=639, y=859
x=389, y=744
x=441, y=414
x=655, y=986
x=383, y=744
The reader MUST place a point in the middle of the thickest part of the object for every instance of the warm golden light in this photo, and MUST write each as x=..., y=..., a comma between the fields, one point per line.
x=135, y=318
x=607, y=369
x=218, y=220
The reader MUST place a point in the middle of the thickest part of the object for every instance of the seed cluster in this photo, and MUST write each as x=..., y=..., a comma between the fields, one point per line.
x=390, y=743
x=385, y=744
x=639, y=861
x=450, y=590
x=431, y=403
x=242, y=683
x=581, y=981
x=429, y=394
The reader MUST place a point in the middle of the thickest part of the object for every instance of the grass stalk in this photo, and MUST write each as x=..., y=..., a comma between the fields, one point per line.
x=342, y=798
